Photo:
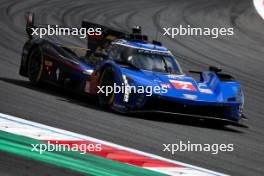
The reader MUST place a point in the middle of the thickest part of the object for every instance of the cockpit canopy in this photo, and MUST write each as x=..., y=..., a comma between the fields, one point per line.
x=144, y=59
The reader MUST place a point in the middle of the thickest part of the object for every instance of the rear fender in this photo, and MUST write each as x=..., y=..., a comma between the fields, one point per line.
x=27, y=48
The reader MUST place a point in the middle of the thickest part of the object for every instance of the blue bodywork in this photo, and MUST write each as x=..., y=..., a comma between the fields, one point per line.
x=184, y=94
x=215, y=95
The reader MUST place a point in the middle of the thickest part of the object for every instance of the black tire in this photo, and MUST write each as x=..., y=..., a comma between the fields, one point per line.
x=107, y=79
x=35, y=66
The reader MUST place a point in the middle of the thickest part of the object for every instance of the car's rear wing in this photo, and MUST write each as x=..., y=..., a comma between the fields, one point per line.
x=93, y=41
x=107, y=35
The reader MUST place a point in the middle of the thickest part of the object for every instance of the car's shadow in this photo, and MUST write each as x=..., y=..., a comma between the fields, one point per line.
x=60, y=93
x=187, y=120
x=91, y=102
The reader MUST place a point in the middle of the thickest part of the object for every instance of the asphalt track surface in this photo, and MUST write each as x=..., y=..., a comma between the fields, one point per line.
x=241, y=55
x=26, y=166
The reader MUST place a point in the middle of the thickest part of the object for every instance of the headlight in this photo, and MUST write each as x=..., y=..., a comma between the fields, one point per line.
x=239, y=97
x=241, y=107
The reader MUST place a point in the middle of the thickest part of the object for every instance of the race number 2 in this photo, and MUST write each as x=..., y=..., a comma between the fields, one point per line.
x=183, y=85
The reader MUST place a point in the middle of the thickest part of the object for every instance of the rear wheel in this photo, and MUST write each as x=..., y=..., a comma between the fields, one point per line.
x=106, y=98
x=35, y=66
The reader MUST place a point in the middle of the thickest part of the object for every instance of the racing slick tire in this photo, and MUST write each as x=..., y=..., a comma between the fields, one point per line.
x=35, y=66
x=107, y=79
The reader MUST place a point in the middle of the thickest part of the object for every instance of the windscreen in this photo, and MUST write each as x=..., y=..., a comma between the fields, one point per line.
x=154, y=62
x=150, y=61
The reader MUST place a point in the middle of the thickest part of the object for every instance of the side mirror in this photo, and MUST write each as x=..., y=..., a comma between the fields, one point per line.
x=214, y=69
x=196, y=72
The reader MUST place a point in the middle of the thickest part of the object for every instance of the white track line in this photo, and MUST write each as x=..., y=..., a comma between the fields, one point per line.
x=39, y=131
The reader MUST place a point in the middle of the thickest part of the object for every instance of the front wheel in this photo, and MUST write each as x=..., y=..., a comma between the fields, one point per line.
x=107, y=81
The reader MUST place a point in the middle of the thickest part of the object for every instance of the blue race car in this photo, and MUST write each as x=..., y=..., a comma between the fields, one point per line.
x=130, y=75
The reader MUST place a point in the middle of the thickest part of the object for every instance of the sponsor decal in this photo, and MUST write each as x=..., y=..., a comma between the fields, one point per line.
x=183, y=85
x=207, y=91
x=57, y=73
x=173, y=76
x=190, y=97
x=127, y=89
x=48, y=66
x=87, y=87
x=166, y=86
x=48, y=63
